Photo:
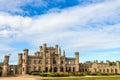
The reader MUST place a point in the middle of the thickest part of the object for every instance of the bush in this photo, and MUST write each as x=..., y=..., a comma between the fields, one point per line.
x=51, y=74
x=99, y=74
x=62, y=74
x=65, y=74
x=78, y=74
x=34, y=73
x=71, y=74
x=93, y=74
x=86, y=73
x=43, y=74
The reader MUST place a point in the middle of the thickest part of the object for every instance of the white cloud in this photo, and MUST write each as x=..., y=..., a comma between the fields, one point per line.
x=15, y=6
x=69, y=27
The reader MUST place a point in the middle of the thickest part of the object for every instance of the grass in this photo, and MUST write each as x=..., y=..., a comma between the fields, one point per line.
x=87, y=78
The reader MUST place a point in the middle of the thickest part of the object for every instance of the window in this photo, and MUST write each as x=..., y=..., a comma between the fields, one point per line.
x=107, y=70
x=54, y=61
x=35, y=68
x=70, y=69
x=39, y=68
x=39, y=61
x=73, y=69
x=104, y=70
x=34, y=61
x=46, y=61
x=111, y=70
x=61, y=62
x=116, y=71
x=62, y=69
x=23, y=68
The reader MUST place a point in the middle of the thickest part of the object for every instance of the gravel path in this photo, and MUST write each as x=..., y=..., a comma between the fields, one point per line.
x=25, y=77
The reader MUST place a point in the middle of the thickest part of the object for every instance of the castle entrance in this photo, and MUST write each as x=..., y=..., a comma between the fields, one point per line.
x=61, y=69
x=0, y=71
x=11, y=71
x=55, y=69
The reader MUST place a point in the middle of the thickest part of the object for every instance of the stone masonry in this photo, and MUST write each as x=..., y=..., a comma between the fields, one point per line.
x=50, y=59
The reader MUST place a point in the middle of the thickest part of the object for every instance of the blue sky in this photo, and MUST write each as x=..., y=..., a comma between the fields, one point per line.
x=91, y=27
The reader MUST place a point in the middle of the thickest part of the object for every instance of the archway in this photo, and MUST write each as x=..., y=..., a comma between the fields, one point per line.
x=0, y=71
x=107, y=70
x=11, y=72
x=55, y=69
x=116, y=71
x=46, y=69
x=61, y=69
x=73, y=69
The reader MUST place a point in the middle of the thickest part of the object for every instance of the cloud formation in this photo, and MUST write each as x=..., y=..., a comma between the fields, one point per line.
x=81, y=28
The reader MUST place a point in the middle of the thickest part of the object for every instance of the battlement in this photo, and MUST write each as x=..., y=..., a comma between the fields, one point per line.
x=51, y=59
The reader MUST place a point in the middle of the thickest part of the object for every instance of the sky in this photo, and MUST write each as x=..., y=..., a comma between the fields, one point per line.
x=90, y=27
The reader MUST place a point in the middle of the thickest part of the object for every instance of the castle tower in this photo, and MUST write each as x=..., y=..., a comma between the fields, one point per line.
x=5, y=66
x=60, y=51
x=64, y=60
x=40, y=47
x=118, y=66
x=56, y=49
x=25, y=61
x=59, y=60
x=19, y=63
x=76, y=61
x=19, y=58
x=64, y=53
x=44, y=56
x=108, y=63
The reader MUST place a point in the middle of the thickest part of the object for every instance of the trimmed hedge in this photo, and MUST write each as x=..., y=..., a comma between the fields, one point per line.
x=66, y=74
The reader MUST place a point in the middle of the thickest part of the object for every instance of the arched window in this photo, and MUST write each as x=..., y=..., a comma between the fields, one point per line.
x=39, y=61
x=111, y=70
x=95, y=70
x=46, y=69
x=61, y=62
x=73, y=69
x=104, y=70
x=62, y=69
x=23, y=68
x=54, y=61
x=39, y=68
x=0, y=71
x=107, y=70
x=100, y=70
x=55, y=69
x=69, y=69
x=116, y=71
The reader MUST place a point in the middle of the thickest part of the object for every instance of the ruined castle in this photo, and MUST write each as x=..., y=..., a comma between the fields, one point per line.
x=51, y=59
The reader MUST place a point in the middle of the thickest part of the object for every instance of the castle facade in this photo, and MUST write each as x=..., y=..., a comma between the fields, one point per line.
x=50, y=59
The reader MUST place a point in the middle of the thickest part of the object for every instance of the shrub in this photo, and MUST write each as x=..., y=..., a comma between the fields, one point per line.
x=62, y=74
x=93, y=74
x=43, y=74
x=99, y=74
x=71, y=74
x=78, y=74
x=34, y=73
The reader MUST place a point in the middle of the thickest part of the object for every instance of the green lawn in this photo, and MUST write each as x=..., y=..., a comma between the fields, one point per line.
x=88, y=78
